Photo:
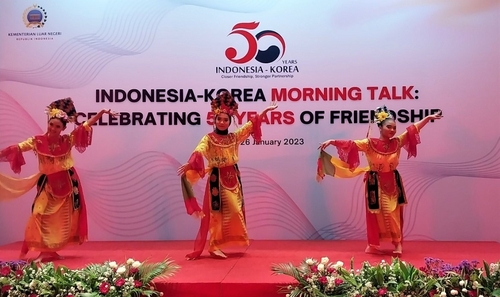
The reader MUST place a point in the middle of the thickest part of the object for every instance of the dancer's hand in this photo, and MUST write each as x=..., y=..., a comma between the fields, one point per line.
x=198, y=215
x=323, y=145
x=272, y=106
x=111, y=113
x=182, y=170
x=436, y=116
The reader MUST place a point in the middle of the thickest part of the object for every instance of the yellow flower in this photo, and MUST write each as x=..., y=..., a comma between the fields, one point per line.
x=53, y=112
x=381, y=116
x=57, y=113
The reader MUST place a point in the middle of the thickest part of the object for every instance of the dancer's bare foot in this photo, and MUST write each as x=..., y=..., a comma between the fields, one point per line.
x=398, y=250
x=45, y=256
x=373, y=250
x=218, y=254
x=42, y=257
x=56, y=256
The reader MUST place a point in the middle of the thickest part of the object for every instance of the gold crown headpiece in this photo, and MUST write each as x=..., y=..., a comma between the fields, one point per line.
x=225, y=103
x=63, y=109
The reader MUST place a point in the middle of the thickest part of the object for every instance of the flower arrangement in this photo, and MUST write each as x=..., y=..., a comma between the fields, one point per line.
x=437, y=278
x=132, y=278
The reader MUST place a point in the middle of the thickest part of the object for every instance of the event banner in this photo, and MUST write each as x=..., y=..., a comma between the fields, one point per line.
x=326, y=64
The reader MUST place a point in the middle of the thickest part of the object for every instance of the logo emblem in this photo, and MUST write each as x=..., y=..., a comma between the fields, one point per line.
x=34, y=16
x=271, y=54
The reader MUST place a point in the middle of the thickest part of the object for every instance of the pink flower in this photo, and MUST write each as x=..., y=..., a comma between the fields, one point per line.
x=339, y=281
x=323, y=280
x=331, y=270
x=133, y=270
x=19, y=273
x=137, y=284
x=6, y=288
x=119, y=282
x=314, y=268
x=104, y=288
x=382, y=291
x=5, y=271
x=472, y=293
x=33, y=295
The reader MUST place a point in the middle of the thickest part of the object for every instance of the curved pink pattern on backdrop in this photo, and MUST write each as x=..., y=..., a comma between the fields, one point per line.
x=16, y=124
x=137, y=197
x=269, y=207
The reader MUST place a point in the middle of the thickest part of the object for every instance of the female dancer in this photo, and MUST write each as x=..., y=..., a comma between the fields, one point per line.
x=58, y=215
x=384, y=191
x=223, y=213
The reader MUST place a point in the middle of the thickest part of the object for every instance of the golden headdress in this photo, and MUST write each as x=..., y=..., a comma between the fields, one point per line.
x=63, y=109
x=225, y=103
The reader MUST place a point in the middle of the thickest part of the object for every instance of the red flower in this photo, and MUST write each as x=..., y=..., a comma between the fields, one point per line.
x=137, y=284
x=5, y=271
x=104, y=288
x=472, y=293
x=120, y=282
x=382, y=291
x=323, y=280
x=133, y=270
x=331, y=270
x=6, y=288
x=33, y=295
x=432, y=292
x=339, y=281
x=19, y=273
x=314, y=268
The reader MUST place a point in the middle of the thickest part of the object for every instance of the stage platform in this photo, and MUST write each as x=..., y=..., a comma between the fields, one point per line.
x=247, y=272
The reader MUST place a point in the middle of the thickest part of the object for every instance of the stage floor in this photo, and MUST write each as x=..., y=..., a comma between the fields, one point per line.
x=247, y=272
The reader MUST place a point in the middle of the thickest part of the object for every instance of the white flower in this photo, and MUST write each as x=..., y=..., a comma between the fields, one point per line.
x=136, y=264
x=309, y=261
x=32, y=284
x=368, y=285
x=121, y=270
x=480, y=296
x=464, y=290
x=461, y=283
x=454, y=292
x=443, y=294
x=112, y=264
x=338, y=264
x=321, y=267
x=130, y=261
x=325, y=260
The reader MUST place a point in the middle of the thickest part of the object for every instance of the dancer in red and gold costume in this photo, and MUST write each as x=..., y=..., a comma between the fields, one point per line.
x=223, y=213
x=384, y=190
x=58, y=215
